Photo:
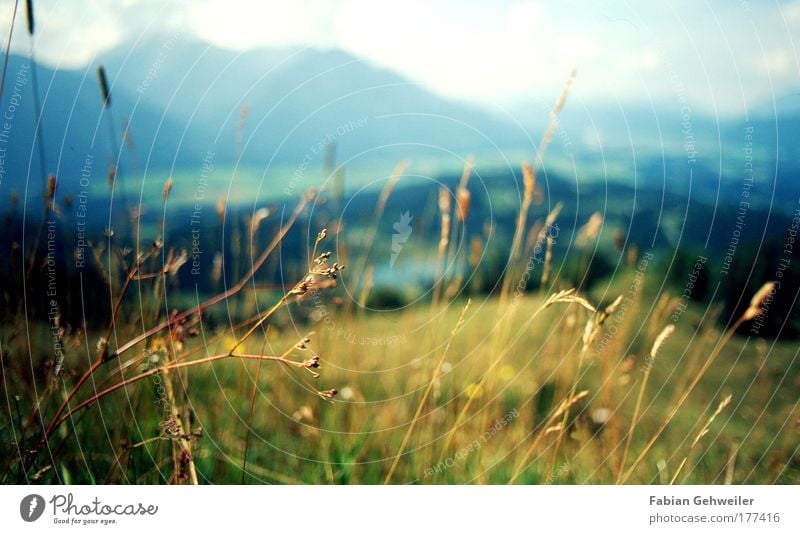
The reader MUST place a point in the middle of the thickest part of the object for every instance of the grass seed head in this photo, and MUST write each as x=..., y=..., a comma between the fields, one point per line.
x=463, y=199
x=167, y=188
x=661, y=339
x=756, y=307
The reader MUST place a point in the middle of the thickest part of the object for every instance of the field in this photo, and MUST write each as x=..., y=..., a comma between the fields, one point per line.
x=526, y=333
x=624, y=384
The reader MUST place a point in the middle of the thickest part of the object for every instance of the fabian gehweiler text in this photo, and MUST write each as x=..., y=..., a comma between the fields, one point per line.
x=700, y=500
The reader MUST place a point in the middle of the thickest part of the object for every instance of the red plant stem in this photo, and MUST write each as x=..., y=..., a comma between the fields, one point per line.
x=166, y=368
x=105, y=357
x=222, y=296
x=100, y=360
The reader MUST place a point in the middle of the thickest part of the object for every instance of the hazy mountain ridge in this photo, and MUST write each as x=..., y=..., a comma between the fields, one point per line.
x=184, y=100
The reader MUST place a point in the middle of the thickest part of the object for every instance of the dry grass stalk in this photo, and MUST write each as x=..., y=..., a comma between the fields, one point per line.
x=755, y=308
x=589, y=231
x=360, y=267
x=319, y=276
x=633, y=255
x=569, y=403
x=595, y=323
x=49, y=206
x=658, y=313
x=721, y=406
x=552, y=126
x=475, y=252
x=181, y=439
x=661, y=339
x=305, y=364
x=444, y=240
x=591, y=330
x=105, y=355
x=553, y=215
x=529, y=184
x=220, y=208
x=444, y=211
x=731, y=463
x=462, y=192
x=535, y=237
x=554, y=428
x=548, y=260
x=434, y=378
x=8, y=49
x=659, y=342
x=458, y=231
x=561, y=297
x=469, y=165
x=549, y=427
x=258, y=217
x=462, y=204
x=568, y=296
x=51, y=189
x=619, y=241
x=474, y=260
x=544, y=235
x=703, y=431
x=166, y=190
x=362, y=299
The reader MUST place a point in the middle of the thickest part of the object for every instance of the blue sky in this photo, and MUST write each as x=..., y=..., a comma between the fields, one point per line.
x=723, y=56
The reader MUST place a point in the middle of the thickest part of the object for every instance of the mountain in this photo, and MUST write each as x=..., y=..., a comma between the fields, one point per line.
x=683, y=150
x=183, y=101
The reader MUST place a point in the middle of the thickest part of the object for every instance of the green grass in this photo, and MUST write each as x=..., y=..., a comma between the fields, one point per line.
x=381, y=364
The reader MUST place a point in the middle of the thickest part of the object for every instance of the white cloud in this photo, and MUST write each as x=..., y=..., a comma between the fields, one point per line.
x=244, y=24
x=68, y=34
x=502, y=51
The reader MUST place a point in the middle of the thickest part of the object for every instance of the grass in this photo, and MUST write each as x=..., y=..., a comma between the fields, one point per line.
x=403, y=379
x=298, y=385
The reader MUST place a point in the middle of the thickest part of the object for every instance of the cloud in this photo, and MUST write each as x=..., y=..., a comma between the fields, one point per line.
x=729, y=55
x=243, y=24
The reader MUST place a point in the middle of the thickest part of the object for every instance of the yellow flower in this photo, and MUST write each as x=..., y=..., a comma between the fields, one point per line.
x=474, y=391
x=506, y=372
x=227, y=342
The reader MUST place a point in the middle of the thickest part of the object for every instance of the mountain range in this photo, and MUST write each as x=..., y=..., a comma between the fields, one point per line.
x=177, y=102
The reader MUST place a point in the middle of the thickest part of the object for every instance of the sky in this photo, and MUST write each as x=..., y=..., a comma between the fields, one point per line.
x=724, y=56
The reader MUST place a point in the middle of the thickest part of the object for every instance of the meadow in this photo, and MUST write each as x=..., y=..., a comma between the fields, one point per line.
x=495, y=353
x=530, y=382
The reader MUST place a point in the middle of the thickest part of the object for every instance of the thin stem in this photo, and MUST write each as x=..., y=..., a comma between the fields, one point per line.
x=359, y=268
x=560, y=409
x=425, y=396
x=480, y=384
x=634, y=421
x=8, y=48
x=100, y=360
x=261, y=321
x=713, y=356
x=252, y=409
x=222, y=296
x=565, y=417
x=166, y=368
